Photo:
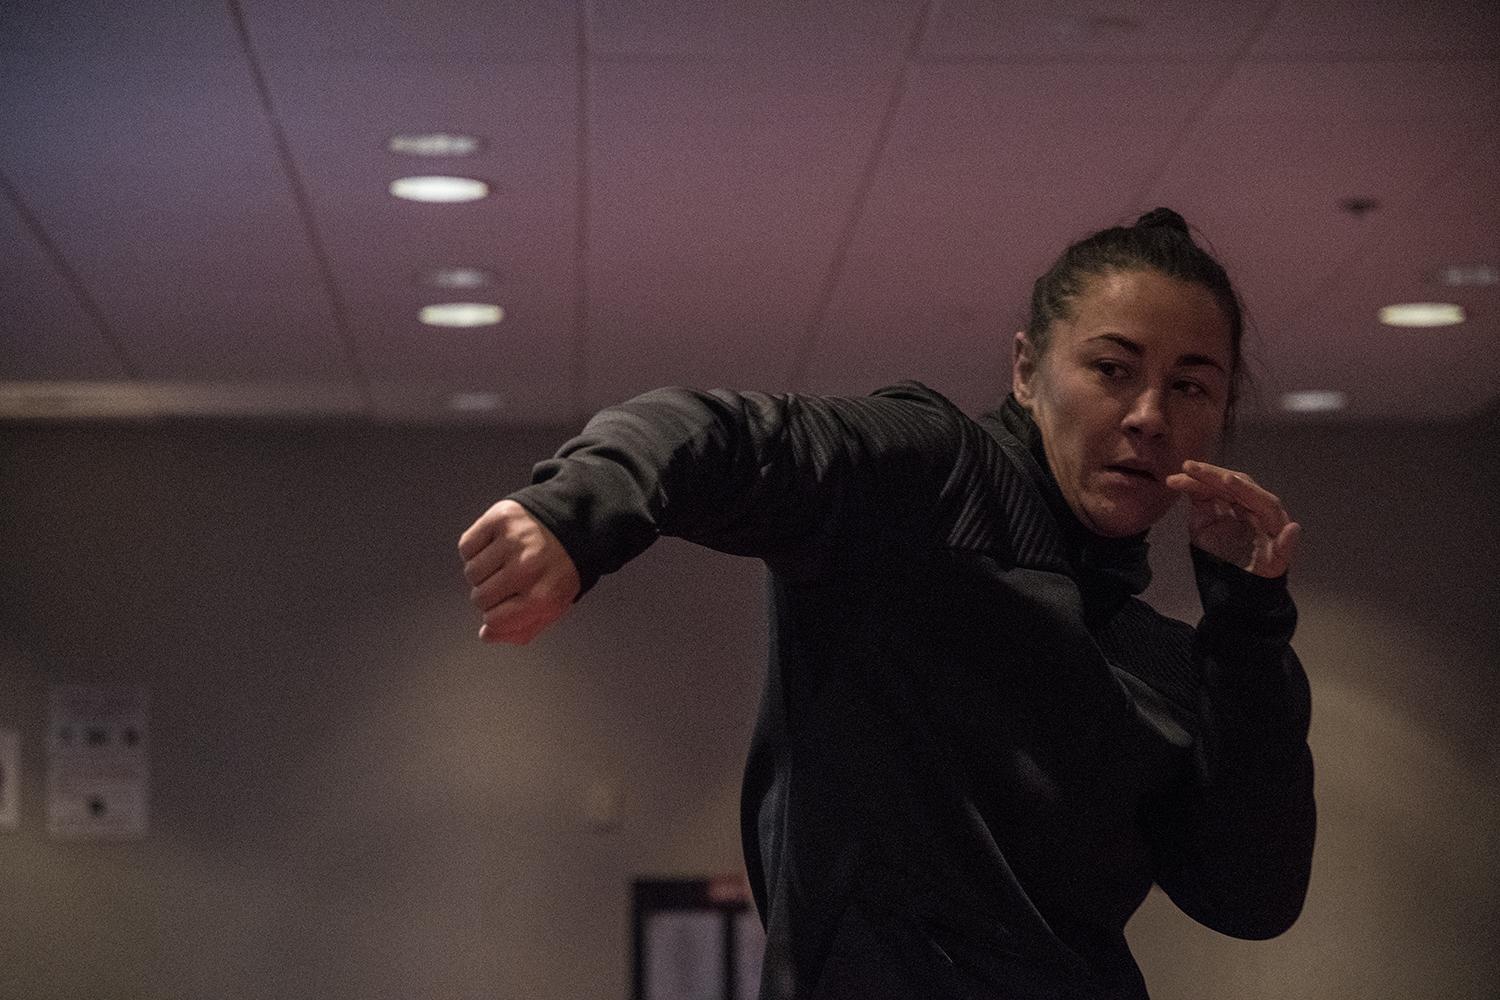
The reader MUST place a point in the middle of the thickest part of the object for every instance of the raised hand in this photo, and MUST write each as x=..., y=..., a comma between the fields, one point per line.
x=1235, y=519
x=522, y=578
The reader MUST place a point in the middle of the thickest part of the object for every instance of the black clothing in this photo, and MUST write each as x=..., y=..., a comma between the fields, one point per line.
x=976, y=749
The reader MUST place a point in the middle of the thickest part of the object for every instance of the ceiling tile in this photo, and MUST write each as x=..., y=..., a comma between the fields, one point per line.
x=1332, y=93
x=173, y=29
x=1090, y=32
x=992, y=170
x=158, y=181
x=719, y=194
x=820, y=29
x=1330, y=29
x=474, y=30
x=45, y=333
x=1267, y=167
x=1424, y=374
x=338, y=115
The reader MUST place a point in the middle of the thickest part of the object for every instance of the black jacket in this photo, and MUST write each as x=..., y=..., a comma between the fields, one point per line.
x=976, y=749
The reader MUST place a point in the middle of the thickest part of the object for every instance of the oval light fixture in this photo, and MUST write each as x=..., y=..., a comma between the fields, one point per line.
x=439, y=188
x=1314, y=401
x=456, y=277
x=1468, y=275
x=433, y=144
x=475, y=402
x=1422, y=314
x=462, y=314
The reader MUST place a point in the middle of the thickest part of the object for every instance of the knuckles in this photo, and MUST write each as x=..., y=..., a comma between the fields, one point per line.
x=537, y=588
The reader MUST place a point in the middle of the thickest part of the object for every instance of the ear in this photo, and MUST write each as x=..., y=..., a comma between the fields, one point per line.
x=1022, y=369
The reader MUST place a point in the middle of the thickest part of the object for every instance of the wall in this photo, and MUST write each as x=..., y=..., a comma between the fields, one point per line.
x=353, y=798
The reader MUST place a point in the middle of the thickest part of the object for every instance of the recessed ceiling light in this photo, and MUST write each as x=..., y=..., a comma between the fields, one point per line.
x=1422, y=314
x=456, y=277
x=1468, y=275
x=439, y=188
x=434, y=144
x=1314, y=401
x=462, y=314
x=475, y=402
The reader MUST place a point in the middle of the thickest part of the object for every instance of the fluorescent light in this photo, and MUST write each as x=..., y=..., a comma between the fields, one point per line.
x=475, y=402
x=456, y=277
x=1422, y=314
x=462, y=314
x=1314, y=401
x=1468, y=275
x=439, y=188
x=433, y=144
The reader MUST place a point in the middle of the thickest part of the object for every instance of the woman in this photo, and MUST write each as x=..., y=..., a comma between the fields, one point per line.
x=977, y=749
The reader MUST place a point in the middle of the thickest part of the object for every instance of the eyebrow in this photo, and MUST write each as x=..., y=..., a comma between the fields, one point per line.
x=1186, y=360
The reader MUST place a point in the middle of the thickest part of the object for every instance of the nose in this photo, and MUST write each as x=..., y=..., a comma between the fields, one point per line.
x=1147, y=415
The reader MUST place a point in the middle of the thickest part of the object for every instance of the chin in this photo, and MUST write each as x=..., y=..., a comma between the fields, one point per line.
x=1119, y=521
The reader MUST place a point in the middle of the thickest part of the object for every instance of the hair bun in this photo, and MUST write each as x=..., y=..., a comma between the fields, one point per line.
x=1163, y=218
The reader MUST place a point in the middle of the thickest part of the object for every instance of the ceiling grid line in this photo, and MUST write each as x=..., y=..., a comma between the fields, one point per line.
x=297, y=186
x=70, y=277
x=802, y=360
x=1211, y=95
x=578, y=368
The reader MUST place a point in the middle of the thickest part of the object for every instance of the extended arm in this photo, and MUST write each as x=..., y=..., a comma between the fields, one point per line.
x=789, y=479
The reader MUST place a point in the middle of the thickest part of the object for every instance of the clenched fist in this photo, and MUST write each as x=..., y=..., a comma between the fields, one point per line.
x=522, y=577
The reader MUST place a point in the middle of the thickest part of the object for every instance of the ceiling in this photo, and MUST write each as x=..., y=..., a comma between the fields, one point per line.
x=784, y=195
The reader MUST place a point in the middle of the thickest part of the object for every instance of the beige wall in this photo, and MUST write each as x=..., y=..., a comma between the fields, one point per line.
x=353, y=798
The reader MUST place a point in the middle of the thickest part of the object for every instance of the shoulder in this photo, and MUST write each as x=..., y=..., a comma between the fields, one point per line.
x=930, y=408
x=911, y=389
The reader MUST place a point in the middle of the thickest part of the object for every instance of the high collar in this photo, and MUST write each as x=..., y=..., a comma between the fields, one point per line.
x=1108, y=569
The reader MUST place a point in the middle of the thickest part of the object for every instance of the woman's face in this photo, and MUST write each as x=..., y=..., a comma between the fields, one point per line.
x=1133, y=384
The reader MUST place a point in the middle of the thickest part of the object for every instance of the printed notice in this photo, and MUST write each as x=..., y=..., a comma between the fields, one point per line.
x=10, y=779
x=685, y=955
x=749, y=952
x=97, y=787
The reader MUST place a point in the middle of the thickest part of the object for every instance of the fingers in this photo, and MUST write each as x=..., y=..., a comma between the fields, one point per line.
x=1236, y=519
x=1204, y=482
x=1233, y=486
x=521, y=578
x=519, y=619
x=1282, y=548
x=478, y=535
x=508, y=580
x=493, y=541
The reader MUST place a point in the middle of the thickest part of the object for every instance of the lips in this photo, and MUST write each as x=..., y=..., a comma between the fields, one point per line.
x=1134, y=470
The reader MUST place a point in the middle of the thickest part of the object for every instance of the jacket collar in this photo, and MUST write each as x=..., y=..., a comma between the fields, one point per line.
x=1107, y=569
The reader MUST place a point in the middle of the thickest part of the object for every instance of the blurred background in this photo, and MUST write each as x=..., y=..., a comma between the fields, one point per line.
x=238, y=442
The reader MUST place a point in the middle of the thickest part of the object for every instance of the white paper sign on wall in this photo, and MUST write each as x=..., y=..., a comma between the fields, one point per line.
x=97, y=762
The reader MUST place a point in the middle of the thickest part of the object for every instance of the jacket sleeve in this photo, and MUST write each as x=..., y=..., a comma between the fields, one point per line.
x=790, y=479
x=1234, y=847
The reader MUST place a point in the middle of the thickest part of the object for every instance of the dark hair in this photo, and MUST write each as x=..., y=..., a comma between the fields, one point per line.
x=1160, y=241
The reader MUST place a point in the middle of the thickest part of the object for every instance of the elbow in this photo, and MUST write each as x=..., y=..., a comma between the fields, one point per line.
x=1255, y=904
x=1264, y=924
x=1246, y=919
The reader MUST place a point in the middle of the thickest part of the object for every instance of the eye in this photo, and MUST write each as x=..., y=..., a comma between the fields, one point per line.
x=1110, y=369
x=1189, y=388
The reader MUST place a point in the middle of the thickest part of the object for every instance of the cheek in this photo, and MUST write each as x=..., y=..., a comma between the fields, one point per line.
x=1202, y=445
x=1197, y=432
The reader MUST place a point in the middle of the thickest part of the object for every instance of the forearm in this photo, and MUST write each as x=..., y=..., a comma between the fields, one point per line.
x=777, y=477
x=1238, y=845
